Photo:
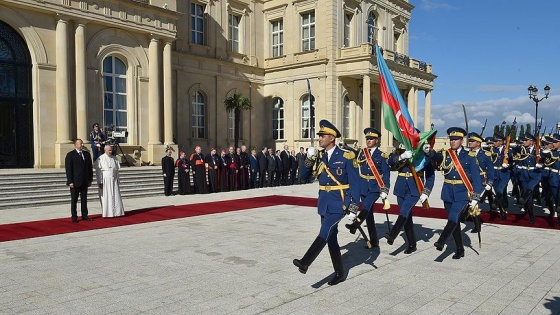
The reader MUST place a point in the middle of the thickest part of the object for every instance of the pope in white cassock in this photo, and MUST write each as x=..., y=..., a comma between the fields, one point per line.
x=107, y=171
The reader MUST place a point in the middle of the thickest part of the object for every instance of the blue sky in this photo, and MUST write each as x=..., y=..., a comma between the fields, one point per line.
x=485, y=54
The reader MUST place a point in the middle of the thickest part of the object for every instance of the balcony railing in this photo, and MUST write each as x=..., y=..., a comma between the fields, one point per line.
x=402, y=59
x=142, y=1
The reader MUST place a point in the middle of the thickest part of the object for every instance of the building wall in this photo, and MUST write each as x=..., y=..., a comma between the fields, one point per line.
x=160, y=113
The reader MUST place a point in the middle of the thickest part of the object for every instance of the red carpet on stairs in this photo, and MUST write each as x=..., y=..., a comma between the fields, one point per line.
x=23, y=230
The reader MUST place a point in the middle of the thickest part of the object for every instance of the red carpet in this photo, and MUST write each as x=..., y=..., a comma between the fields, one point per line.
x=17, y=231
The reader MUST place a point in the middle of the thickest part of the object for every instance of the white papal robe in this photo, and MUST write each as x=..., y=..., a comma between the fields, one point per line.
x=107, y=173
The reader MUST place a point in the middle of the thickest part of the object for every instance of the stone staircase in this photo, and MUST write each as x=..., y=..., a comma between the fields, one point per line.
x=30, y=188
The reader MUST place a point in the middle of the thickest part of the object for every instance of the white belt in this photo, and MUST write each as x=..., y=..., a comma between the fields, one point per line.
x=526, y=167
x=555, y=171
x=498, y=167
x=547, y=168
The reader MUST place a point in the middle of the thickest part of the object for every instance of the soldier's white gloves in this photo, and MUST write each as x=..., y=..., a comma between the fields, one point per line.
x=484, y=145
x=406, y=155
x=351, y=216
x=310, y=152
x=426, y=148
x=383, y=195
x=473, y=203
x=488, y=187
x=513, y=144
x=505, y=165
x=545, y=151
x=538, y=165
x=423, y=197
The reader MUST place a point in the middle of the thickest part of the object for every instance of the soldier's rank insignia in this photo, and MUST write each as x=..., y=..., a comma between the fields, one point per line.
x=338, y=171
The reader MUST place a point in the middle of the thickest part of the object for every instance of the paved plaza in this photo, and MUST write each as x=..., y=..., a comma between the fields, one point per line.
x=240, y=262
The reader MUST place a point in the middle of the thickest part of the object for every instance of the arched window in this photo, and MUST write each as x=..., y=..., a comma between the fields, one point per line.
x=346, y=117
x=198, y=110
x=277, y=118
x=305, y=117
x=114, y=94
x=372, y=28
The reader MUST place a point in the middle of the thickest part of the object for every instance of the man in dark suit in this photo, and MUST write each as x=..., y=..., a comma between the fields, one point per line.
x=168, y=171
x=262, y=159
x=271, y=167
x=254, y=167
x=279, y=168
x=294, y=164
x=79, y=175
x=286, y=164
x=300, y=157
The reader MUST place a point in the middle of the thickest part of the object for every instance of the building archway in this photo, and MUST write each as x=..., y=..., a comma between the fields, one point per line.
x=16, y=124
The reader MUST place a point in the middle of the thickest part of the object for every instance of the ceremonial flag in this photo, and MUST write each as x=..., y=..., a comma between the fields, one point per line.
x=395, y=112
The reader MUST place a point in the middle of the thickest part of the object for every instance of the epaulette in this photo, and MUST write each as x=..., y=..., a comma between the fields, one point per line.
x=472, y=153
x=349, y=155
x=385, y=155
x=488, y=153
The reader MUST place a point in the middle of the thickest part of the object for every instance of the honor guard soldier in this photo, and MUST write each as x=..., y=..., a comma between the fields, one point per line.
x=338, y=192
x=409, y=192
x=374, y=173
x=555, y=172
x=529, y=169
x=487, y=173
x=461, y=188
x=501, y=157
x=549, y=175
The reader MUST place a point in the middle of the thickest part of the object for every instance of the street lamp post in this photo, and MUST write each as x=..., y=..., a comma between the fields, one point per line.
x=533, y=96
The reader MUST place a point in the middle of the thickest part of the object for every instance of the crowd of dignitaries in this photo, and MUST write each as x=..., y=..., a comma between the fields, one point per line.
x=231, y=169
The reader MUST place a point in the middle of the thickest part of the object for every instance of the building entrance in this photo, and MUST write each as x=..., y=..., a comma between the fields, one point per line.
x=16, y=124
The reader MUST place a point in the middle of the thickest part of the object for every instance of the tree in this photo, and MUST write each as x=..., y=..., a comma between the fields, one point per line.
x=528, y=128
x=237, y=103
x=521, y=131
x=496, y=129
x=513, y=132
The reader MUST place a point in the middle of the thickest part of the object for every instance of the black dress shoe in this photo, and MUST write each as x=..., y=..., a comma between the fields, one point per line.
x=458, y=254
x=439, y=246
x=410, y=250
x=475, y=230
x=503, y=216
x=531, y=220
x=338, y=278
x=86, y=218
x=351, y=228
x=390, y=240
x=301, y=266
x=75, y=220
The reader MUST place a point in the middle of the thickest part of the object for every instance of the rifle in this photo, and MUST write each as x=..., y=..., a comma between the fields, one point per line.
x=466, y=121
x=483, y=127
x=538, y=143
x=506, y=150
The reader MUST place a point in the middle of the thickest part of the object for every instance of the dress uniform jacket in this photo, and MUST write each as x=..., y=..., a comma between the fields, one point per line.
x=405, y=185
x=369, y=184
x=502, y=174
x=332, y=199
x=529, y=175
x=453, y=190
x=487, y=172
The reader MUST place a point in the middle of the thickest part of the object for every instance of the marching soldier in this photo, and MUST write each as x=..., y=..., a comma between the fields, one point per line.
x=549, y=179
x=487, y=174
x=461, y=189
x=529, y=173
x=338, y=191
x=501, y=160
x=409, y=193
x=374, y=173
x=555, y=172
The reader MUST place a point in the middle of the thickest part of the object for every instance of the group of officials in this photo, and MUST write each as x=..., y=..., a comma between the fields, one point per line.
x=233, y=170
x=349, y=178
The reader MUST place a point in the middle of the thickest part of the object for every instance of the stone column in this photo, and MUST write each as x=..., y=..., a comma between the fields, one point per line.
x=366, y=105
x=62, y=81
x=154, y=124
x=428, y=110
x=168, y=119
x=81, y=83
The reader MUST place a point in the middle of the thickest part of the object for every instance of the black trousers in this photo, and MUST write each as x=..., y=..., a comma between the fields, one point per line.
x=262, y=175
x=168, y=184
x=82, y=193
x=271, y=178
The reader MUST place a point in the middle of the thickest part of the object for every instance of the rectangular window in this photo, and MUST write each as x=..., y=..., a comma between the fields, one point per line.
x=277, y=29
x=197, y=24
x=233, y=34
x=198, y=125
x=308, y=31
x=115, y=95
x=347, y=29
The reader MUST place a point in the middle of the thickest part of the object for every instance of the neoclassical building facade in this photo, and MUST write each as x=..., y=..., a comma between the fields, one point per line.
x=161, y=69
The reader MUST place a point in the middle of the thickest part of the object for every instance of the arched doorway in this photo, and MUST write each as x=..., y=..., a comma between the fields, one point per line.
x=16, y=124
